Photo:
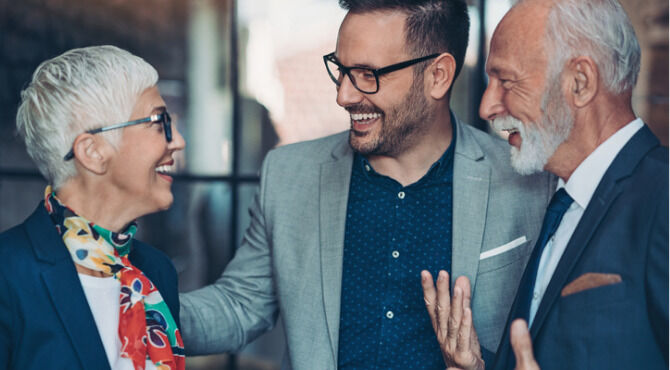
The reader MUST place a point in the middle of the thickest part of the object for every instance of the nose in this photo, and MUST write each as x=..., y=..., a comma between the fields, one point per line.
x=178, y=143
x=492, y=105
x=347, y=93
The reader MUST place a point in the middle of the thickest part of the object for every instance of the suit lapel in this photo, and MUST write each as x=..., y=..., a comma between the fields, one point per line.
x=606, y=193
x=64, y=287
x=333, y=193
x=470, y=199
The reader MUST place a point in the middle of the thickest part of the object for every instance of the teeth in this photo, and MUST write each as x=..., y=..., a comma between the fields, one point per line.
x=511, y=130
x=165, y=169
x=364, y=116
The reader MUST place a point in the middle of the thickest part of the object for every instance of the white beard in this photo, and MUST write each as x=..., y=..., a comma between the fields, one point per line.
x=539, y=141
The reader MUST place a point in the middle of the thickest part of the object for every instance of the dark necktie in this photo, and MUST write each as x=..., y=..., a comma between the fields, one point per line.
x=560, y=203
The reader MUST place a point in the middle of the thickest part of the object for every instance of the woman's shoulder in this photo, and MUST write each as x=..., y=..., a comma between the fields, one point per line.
x=144, y=254
x=16, y=244
x=154, y=263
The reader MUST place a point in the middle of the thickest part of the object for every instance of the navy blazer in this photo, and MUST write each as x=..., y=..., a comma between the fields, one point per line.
x=624, y=231
x=45, y=320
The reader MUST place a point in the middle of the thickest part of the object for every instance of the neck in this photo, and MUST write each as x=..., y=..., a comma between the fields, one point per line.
x=97, y=203
x=593, y=126
x=414, y=162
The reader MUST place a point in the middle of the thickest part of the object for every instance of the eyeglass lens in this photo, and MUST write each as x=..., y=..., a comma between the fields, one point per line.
x=362, y=78
x=167, y=125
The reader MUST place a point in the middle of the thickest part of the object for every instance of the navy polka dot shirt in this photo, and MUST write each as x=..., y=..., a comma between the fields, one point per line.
x=392, y=233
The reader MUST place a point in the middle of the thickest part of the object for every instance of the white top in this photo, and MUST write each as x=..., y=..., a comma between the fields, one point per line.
x=580, y=186
x=102, y=295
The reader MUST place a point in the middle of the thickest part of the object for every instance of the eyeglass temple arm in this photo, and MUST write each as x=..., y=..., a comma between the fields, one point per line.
x=402, y=65
x=151, y=118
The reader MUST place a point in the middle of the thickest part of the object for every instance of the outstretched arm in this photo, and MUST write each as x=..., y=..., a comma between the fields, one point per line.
x=242, y=303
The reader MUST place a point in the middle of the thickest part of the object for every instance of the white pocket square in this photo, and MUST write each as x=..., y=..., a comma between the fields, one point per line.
x=503, y=248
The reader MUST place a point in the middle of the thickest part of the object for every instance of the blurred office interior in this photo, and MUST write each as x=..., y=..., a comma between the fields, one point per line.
x=242, y=77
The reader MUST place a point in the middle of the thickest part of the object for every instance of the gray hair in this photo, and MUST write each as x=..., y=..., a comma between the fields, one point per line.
x=74, y=92
x=599, y=29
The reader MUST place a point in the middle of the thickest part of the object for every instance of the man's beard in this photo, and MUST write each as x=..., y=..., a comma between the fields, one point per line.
x=540, y=140
x=400, y=128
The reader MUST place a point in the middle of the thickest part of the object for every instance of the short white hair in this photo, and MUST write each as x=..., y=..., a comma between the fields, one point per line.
x=81, y=89
x=599, y=29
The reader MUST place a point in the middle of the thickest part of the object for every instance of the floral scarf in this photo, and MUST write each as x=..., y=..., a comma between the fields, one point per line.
x=147, y=329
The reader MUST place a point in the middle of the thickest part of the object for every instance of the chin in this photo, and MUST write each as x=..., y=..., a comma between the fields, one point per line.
x=166, y=204
x=162, y=203
x=525, y=164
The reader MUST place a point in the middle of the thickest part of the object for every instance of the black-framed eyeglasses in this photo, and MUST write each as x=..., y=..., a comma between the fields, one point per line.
x=365, y=79
x=163, y=118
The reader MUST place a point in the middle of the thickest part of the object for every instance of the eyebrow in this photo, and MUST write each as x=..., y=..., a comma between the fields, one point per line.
x=357, y=65
x=493, y=71
x=161, y=109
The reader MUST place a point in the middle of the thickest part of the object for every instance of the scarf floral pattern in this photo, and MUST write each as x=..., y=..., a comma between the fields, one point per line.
x=147, y=329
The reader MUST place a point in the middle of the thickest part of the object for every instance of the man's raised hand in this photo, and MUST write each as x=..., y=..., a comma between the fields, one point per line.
x=452, y=320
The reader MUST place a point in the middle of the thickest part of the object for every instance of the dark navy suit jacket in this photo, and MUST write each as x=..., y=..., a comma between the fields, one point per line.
x=624, y=231
x=45, y=320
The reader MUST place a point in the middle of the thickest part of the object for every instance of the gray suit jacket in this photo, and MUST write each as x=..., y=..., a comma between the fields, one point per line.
x=290, y=260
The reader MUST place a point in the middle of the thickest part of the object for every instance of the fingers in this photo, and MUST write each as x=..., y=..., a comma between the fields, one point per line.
x=522, y=346
x=443, y=308
x=465, y=332
x=429, y=296
x=455, y=317
x=464, y=283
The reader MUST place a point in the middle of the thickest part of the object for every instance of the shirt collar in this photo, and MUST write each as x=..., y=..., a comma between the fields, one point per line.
x=585, y=179
x=439, y=169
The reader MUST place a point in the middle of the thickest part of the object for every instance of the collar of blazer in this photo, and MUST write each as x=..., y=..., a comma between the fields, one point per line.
x=62, y=283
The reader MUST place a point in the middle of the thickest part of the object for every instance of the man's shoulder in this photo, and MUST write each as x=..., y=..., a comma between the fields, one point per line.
x=496, y=152
x=489, y=143
x=657, y=160
x=311, y=151
x=315, y=149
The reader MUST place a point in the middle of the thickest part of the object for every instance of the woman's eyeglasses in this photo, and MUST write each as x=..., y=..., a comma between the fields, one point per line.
x=163, y=118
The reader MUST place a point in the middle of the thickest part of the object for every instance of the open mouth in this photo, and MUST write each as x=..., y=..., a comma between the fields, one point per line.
x=511, y=131
x=362, y=122
x=166, y=170
x=364, y=118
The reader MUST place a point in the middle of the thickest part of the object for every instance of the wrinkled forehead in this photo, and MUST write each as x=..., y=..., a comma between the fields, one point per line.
x=371, y=38
x=519, y=38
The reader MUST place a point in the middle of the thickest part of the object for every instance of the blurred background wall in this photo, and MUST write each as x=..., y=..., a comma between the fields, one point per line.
x=242, y=77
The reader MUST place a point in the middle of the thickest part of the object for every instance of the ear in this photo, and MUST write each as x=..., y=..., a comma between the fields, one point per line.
x=92, y=152
x=441, y=75
x=583, y=80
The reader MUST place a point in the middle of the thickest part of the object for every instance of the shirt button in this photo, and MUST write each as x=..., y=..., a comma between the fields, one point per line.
x=536, y=295
x=367, y=167
x=389, y=314
x=395, y=254
x=401, y=195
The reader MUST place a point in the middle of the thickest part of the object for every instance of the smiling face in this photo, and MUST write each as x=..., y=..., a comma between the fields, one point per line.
x=140, y=168
x=393, y=119
x=521, y=98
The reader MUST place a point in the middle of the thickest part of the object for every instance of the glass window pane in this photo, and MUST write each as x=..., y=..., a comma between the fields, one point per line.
x=19, y=196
